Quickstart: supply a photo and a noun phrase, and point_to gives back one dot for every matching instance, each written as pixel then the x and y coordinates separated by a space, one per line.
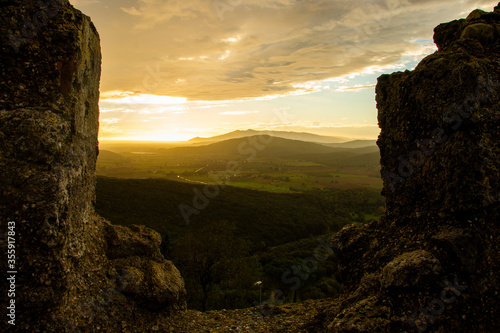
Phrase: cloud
pixel 260 48
pixel 82 3
pixel 115 94
pixel 355 88
pixel 150 13
pixel 110 120
pixel 128 98
pixel 237 113
pixel 104 110
pixel 349 131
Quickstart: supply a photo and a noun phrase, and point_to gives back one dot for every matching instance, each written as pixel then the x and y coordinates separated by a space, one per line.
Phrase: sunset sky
pixel 177 69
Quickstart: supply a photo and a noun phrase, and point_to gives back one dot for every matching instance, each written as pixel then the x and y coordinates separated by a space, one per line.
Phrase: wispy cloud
pixel 104 110
pixel 129 98
pixel 262 48
pixel 110 120
pixel 356 88
pixel 237 113
pixel 82 3
pixel 182 59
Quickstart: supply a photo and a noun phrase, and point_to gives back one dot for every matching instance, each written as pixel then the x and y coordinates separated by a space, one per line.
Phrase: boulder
pixel 75 271
pixel 432 261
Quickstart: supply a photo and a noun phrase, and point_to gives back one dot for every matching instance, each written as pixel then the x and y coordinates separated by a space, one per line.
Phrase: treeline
pixel 272 218
pixel 242 237
pixel 220 271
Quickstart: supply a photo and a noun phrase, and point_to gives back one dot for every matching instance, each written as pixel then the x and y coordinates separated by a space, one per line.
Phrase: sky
pixel 177 69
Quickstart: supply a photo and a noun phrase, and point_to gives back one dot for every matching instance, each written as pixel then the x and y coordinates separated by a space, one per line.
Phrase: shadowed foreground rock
pixel 432 262
pixel 76 272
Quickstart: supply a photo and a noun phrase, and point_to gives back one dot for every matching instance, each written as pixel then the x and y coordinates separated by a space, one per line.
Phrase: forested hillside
pixel 242 236
pixel 273 218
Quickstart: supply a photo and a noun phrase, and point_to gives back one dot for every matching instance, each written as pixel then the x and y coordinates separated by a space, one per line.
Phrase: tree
pixel 210 256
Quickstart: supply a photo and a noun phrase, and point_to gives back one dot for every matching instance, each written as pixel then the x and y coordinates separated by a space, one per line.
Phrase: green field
pixel 349 168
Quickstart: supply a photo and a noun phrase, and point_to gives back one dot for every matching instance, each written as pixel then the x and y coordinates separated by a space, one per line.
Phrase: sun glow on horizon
pixel 167 137
pixel 170 73
pixel 125 97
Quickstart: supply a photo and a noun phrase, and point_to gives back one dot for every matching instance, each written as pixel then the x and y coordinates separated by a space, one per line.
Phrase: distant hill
pixel 345 157
pixel 277 147
pixel 353 144
pixel 301 136
pixel 107 156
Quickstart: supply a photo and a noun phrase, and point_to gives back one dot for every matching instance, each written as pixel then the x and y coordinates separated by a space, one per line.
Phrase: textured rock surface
pixel 76 271
pixel 432 262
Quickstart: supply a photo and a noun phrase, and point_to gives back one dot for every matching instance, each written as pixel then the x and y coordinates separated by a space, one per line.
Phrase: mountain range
pixel 301 136
pixel 270 147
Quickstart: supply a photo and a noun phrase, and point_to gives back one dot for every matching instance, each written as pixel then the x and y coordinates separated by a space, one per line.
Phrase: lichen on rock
pixel 73 265
pixel 440 158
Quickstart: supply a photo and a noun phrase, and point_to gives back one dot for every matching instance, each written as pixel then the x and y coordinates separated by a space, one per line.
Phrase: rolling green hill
pixel 106 156
pixel 353 144
pixel 359 157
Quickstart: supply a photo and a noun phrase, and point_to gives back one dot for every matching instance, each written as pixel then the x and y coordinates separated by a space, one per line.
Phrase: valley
pixel 256 207
pixel 267 164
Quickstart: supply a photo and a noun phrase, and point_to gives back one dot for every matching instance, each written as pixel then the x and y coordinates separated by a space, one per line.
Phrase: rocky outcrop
pixel 432 262
pixel 75 271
